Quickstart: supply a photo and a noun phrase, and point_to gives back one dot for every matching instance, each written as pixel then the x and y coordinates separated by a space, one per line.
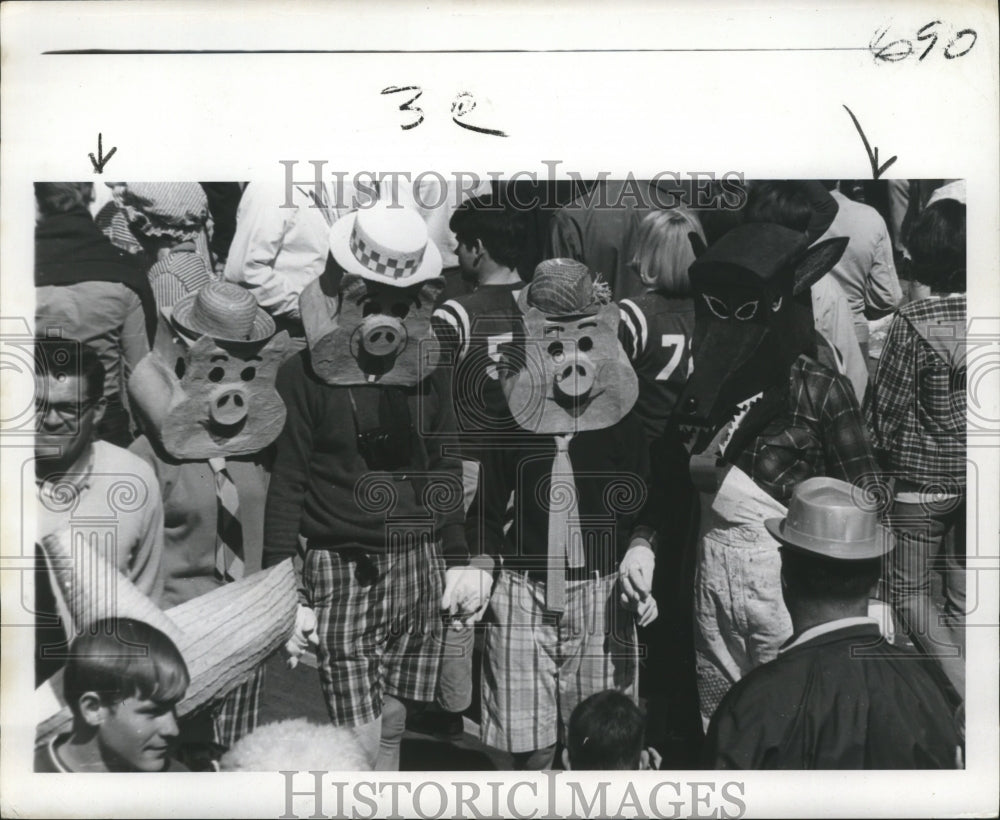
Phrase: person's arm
pixel 882 291
pixel 833 318
pixel 892 389
pixel 847 448
pixel 290 473
pixel 484 521
pixel 147 557
pixel 630 328
pixel 260 233
pixel 134 343
pixel 443 460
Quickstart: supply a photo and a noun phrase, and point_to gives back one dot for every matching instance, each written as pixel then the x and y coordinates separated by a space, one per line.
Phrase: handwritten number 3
pixel 408 105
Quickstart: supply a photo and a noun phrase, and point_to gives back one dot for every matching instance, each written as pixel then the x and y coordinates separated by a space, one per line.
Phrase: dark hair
pixel 782 202
pixel 829 184
pixel 121 657
pixel 605 732
pixel 937 246
pixel 813 577
pixel 61 358
pixel 62 197
pixel 500 228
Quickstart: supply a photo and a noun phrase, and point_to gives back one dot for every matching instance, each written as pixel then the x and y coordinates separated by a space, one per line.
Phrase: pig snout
pixel 382 336
pixel 228 405
pixel 574 377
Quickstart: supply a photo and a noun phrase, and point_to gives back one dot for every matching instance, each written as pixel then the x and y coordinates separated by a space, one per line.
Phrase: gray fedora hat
pixel 827 517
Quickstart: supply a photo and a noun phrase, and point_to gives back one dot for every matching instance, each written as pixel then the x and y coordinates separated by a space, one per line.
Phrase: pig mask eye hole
pixel 248 373
pixel 371 308
pixel 746 311
pixel 717 306
pixel 216 374
pixel 556 351
pixel 179 368
pixel 585 344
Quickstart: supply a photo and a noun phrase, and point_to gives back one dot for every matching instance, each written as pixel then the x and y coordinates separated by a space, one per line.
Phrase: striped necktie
pixel 565 538
pixel 228 530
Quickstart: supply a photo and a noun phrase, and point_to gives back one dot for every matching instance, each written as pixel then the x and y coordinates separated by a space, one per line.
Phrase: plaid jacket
pixel 916 407
pixel 822 433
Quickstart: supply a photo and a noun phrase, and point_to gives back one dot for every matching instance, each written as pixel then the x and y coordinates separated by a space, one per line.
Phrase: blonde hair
pixel 662 250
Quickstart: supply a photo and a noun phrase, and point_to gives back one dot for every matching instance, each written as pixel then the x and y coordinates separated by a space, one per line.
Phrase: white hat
pixel 385 244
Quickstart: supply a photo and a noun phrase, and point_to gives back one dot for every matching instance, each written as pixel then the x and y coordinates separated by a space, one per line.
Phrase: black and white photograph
pixel 474 480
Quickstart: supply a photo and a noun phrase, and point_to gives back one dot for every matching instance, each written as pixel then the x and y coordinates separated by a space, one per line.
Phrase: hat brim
pixel 340 249
pixel 179 316
pixel 835 550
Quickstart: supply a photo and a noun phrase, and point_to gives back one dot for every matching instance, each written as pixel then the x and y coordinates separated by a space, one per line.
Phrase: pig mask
pixel 569 373
pixel 368 317
pixel 211 398
pixel 366 332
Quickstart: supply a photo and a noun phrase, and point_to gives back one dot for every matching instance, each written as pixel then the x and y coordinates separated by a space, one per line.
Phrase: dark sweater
pixel 322 488
pixel 610 471
pixel 70 248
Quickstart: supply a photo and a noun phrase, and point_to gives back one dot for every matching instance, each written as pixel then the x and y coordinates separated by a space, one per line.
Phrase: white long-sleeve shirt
pixel 277 251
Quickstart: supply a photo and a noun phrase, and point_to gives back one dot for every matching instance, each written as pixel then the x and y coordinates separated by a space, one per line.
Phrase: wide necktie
pixel 565 538
pixel 228 530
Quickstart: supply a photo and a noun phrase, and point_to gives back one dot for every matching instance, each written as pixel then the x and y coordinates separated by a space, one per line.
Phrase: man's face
pixel 466 259
pixel 137 735
pixel 65 420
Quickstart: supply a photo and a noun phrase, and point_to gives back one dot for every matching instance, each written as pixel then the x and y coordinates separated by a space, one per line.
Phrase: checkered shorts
pixel 536 670
pixel 379 625
pixel 236 715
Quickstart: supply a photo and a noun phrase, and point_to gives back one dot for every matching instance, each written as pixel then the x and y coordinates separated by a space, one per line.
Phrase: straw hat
pixel 222 311
pixel 826 518
pixel 564 287
pixel 385 244
pixel 223 635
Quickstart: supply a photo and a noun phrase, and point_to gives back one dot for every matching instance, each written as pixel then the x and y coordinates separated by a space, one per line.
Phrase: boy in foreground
pixel 122 682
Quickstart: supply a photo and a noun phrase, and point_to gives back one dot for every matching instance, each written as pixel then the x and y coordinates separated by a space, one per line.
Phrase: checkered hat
pixel 564 287
pixel 177 209
pixel 385 244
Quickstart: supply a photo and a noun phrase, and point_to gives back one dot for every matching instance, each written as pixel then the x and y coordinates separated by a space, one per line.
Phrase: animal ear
pixel 816 261
pixel 697 244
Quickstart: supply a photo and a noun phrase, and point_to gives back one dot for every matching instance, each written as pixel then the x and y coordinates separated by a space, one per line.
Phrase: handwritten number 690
pixel 899 50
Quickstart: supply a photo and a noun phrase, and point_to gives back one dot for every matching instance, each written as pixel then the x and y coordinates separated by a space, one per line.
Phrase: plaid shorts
pixel 236 714
pixel 379 625
pixel 537 669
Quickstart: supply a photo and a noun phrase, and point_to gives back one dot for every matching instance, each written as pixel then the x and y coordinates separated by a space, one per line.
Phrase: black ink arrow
pixel 101 159
pixel 872 153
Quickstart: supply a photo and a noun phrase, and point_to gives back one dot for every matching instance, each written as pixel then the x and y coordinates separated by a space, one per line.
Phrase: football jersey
pixel 656 331
pixel 472 329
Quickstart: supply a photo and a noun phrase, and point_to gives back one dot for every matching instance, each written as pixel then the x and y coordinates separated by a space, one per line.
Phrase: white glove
pixel 303 635
pixel 636 577
pixel 466 594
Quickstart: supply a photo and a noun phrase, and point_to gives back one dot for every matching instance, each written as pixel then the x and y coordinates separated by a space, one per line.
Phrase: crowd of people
pixel 675 481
